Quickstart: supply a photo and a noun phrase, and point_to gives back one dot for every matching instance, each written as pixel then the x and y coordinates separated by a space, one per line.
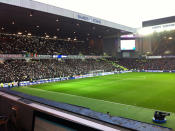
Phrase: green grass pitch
pixel 130 95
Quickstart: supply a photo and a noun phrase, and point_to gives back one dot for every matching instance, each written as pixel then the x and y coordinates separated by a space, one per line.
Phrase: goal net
pixel 96 72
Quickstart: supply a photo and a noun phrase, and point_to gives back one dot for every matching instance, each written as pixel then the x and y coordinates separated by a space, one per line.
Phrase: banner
pixel 26 83
pixel 153 57
pixel 88 18
pixel 5 56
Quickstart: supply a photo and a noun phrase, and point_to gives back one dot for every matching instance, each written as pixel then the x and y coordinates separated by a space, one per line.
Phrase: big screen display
pixel 128 45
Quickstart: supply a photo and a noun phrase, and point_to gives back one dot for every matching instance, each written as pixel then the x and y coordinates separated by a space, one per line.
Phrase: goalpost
pixel 96 72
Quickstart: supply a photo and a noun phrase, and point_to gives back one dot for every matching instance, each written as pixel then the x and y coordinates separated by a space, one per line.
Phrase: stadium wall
pixel 24 113
pixel 146 45
pixel 111 45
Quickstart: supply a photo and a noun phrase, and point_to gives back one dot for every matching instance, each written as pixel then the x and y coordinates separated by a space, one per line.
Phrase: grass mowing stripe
pixel 132 112
pixel 147 90
pixel 91 98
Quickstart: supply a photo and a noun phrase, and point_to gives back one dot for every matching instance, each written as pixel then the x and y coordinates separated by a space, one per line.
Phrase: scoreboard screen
pixel 128 45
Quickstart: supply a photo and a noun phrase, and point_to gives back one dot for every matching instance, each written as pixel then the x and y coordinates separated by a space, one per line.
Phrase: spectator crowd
pixel 22 70
pixel 18 44
pixel 34 69
pixel 148 64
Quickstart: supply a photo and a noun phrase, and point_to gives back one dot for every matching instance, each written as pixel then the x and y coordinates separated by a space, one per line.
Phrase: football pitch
pixel 130 95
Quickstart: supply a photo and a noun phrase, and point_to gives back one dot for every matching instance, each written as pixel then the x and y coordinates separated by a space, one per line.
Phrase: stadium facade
pixel 33 19
pixel 44 26
pixel 156 37
pixel 62 23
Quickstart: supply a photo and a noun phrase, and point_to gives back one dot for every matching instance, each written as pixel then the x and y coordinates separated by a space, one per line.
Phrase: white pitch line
pixel 94 99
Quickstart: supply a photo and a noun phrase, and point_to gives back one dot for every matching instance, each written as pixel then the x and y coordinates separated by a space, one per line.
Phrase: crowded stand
pixel 148 64
pixel 27 69
pixel 22 70
pixel 19 44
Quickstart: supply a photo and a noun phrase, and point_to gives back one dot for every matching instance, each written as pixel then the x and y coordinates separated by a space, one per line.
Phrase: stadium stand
pixel 148 64
pixel 22 70
pixel 162 43
pixel 15 70
pixel 19 44
pixel 79 37
pixel 25 70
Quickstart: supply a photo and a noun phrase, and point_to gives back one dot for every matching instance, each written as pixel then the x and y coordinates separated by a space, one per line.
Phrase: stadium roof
pixel 158 21
pixel 41 19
